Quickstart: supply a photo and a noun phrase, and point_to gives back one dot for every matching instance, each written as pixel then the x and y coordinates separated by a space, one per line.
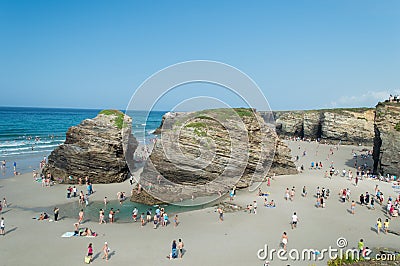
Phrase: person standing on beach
pixel 56 211
pixel 180 248
pixel 4 202
pixel 386 226
pixel 80 219
pixel 284 240
pixel 353 206
pixel 106 250
pixel 378 225
pixel 101 217
pixel 295 219
pixel 68 192
pixel 176 222
pixel 304 194
pixel 90 252
pixel 221 214
pixel 2 227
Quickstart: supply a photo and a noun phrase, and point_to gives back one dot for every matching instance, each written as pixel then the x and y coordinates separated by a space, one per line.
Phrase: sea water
pixel 27 135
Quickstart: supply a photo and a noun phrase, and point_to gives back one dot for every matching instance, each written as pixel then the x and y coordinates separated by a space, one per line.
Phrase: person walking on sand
pixel 56 211
pixel 295 219
pixel 101 217
pixel 4 202
pixel 90 252
pixel 386 226
pixel 353 206
pixel 180 248
pixel 221 214
pixel 2 226
pixel 378 225
pixel 287 194
pixel 284 240
pixel 304 194
pixel 106 250
pixel 176 221
pixel 80 220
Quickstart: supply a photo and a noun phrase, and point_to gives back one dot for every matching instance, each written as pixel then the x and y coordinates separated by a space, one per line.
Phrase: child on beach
pixel 378 225
pixel 176 222
pixel 353 206
pixel 142 221
pixel 386 226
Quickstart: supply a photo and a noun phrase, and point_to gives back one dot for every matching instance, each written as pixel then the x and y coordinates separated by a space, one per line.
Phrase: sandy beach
pixel 235 241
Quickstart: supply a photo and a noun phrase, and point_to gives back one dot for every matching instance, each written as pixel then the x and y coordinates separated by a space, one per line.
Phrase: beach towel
pixel 68 234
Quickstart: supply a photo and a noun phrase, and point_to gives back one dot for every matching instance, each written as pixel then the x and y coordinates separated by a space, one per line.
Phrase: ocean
pixel 27 135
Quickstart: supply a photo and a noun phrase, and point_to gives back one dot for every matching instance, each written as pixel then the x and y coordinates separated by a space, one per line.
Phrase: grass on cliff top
pixel 224 113
pixel 119 117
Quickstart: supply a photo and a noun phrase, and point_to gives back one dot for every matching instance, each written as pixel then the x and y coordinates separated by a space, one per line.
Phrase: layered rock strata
pixel 387 139
pixel 94 149
pixel 348 126
pixel 207 152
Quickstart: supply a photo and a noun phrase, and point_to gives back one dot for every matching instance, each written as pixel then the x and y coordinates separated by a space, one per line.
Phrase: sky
pixel 301 54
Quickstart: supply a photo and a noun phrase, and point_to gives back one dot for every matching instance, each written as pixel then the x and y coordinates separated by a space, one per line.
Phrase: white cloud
pixel 370 98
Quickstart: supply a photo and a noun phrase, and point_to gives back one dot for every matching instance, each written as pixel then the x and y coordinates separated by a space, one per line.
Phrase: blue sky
pixel 302 54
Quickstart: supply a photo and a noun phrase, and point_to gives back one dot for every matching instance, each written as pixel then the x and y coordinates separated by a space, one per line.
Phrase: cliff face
pixel 207 152
pixel 351 126
pixel 94 148
pixel 387 139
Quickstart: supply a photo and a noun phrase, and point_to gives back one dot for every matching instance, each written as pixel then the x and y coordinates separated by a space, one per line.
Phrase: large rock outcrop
pixel 350 126
pixel 213 150
pixel 94 148
pixel 387 139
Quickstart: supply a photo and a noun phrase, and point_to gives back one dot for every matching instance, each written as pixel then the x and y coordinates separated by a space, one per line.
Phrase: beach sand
pixel 207 241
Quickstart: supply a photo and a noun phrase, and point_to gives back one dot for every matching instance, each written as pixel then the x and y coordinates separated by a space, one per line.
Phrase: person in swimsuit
pixel 284 240
pixel 180 248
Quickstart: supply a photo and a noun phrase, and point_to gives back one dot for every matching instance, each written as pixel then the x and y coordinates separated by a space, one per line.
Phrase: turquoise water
pixel 29 134
pixel 124 214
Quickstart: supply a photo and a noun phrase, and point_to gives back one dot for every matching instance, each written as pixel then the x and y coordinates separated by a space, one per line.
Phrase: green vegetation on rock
pixel 199 128
pixel 119 117
pixel 397 127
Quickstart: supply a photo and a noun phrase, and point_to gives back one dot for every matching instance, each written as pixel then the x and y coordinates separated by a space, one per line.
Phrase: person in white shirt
pixel 295 219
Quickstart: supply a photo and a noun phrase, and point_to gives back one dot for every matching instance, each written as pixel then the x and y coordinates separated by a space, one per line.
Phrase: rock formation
pixel 350 126
pixel 94 148
pixel 207 152
pixel 387 139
